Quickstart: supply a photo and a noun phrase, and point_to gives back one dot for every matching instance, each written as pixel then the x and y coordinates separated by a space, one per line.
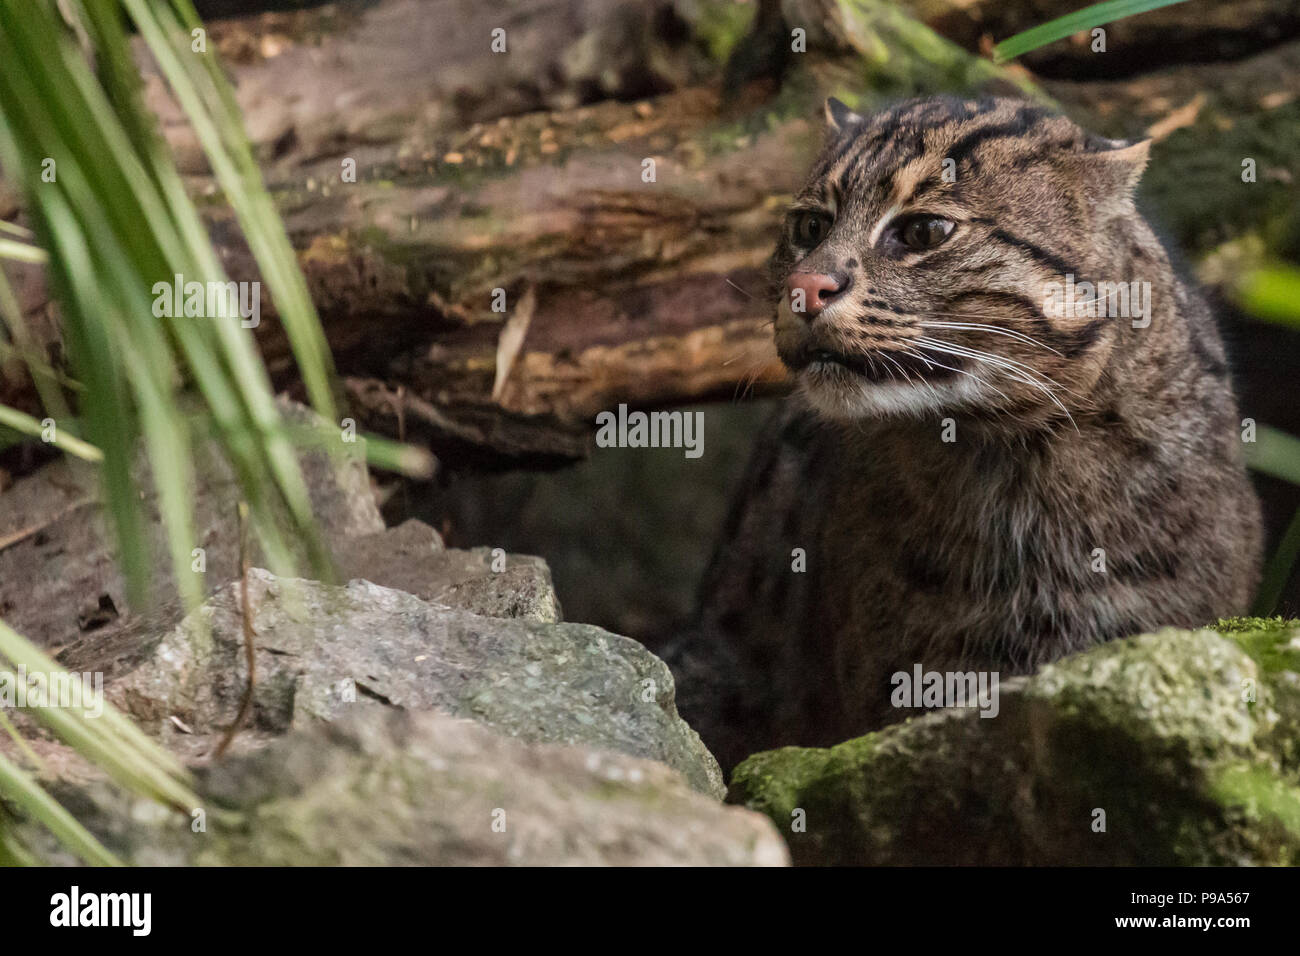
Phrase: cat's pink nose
pixel 810 292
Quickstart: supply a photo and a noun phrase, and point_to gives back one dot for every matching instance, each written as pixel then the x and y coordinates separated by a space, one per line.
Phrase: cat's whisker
pixel 1001 360
pixel 1022 374
pixel 964 350
pixel 928 360
pixel 1015 372
pixel 932 389
pixel 727 279
pixel 907 378
pixel 982 327
pixel 755 364
pixel 747 382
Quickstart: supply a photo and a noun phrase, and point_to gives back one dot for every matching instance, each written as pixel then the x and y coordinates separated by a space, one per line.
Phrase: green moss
pixel 774 781
pixel 1150 729
pixel 1270 641
pixel 380 243
pixel 1274 645
pixel 1244 625
pixel 1269 806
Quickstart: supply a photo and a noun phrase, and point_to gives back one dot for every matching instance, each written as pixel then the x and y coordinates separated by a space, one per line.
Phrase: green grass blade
pixel 39 805
pixel 216 122
pixel 22 422
pixel 1072 23
pixel 1277 454
pixel 21 252
pixel 48 382
pixel 1272 293
pixel 24 747
pixel 1277 571
pixel 1274 453
pixel 126 754
pixel 115 221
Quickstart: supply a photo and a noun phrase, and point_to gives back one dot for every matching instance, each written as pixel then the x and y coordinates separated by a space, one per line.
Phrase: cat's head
pixel 944 255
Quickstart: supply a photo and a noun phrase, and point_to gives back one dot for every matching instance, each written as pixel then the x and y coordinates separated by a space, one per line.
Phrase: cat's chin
pixel 840 395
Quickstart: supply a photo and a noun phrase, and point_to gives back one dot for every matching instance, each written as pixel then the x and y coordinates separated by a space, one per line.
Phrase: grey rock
pixel 412 558
pixel 390 787
pixel 325 651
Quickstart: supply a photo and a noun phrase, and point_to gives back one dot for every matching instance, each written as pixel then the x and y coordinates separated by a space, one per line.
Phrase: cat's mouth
pixel 879 366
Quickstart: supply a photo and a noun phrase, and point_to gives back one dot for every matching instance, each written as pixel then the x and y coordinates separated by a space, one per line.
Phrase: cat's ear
pixel 1108 171
pixel 1119 163
pixel 839 117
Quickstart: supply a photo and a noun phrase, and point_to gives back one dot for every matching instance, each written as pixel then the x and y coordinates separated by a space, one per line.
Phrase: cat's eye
pixel 811 227
pixel 924 232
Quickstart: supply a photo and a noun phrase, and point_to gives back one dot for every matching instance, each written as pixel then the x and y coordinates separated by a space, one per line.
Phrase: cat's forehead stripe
pixel 897 139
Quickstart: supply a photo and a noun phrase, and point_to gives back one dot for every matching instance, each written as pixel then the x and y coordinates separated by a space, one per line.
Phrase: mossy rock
pixel 1171 748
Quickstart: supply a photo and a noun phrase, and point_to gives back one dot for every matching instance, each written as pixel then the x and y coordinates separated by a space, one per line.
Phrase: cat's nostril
pixel 810 292
pixel 842 282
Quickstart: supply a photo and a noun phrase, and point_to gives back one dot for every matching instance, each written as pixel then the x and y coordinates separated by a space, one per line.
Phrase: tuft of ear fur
pixel 840 117
pixel 1109 171
pixel 1122 164
pixel 1118 164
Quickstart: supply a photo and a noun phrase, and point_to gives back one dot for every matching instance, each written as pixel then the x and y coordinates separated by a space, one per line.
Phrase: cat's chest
pixel 927 518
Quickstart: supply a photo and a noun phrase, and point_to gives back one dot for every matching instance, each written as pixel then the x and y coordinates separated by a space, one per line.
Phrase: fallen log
pixel 607 161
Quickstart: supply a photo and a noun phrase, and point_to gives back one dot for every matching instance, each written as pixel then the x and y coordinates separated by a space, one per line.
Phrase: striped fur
pixel 1072 433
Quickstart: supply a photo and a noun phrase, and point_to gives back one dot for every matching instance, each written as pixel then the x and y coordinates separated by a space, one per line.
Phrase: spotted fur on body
pixel 1072 432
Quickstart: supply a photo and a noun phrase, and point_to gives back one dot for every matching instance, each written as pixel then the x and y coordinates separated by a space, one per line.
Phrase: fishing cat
pixel 1013 435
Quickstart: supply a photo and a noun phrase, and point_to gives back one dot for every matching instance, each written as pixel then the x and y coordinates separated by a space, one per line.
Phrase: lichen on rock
pixel 1169 748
